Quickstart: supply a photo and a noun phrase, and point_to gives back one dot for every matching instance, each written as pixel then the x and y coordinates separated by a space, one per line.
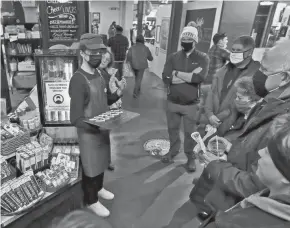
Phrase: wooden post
pixel 140 9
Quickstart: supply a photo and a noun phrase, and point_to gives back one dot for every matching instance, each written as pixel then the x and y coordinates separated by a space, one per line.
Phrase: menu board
pixel 62 20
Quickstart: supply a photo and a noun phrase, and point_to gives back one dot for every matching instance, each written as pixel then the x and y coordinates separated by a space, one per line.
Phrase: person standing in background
pixel 113 84
pixel 119 45
pixel 183 72
pixel 88 93
pixel 112 30
pixel 133 34
pixel 138 56
pixel 218 55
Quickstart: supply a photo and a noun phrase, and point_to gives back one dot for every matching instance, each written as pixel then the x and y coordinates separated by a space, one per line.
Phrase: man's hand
pixel 197 70
pixel 214 121
pixel 121 84
pixel 227 143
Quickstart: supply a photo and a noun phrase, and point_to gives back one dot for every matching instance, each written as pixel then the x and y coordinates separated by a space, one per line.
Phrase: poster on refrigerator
pixel 164 33
pixel 57 96
pixel 204 20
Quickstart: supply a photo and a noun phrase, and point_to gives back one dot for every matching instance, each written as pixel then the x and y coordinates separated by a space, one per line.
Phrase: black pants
pixel 138 81
pixel 91 187
pixel 119 66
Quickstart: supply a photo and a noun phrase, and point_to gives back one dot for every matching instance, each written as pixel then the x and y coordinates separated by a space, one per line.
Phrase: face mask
pixel 187 47
pixel 243 106
pixel 259 81
pixel 237 57
pixel 94 60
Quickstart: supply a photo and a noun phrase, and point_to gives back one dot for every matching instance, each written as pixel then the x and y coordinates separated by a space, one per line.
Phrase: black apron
pixel 95 148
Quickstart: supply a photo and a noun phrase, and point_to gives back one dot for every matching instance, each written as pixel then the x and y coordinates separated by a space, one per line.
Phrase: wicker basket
pixel 26 208
pixel 10 145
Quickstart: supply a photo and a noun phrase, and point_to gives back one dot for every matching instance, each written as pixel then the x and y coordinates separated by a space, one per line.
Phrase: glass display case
pixel 54 69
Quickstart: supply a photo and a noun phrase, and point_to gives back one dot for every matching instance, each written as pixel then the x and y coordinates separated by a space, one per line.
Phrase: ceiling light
pixel 266 3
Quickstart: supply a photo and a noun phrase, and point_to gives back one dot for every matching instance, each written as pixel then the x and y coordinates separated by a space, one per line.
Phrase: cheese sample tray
pixel 112 119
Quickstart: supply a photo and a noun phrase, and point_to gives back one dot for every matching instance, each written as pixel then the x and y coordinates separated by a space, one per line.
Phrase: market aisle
pixel 148 193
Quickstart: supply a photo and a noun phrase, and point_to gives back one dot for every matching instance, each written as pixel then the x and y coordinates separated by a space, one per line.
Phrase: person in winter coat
pixel 222 92
pixel 270 207
pixel 272 82
pixel 138 56
pixel 88 93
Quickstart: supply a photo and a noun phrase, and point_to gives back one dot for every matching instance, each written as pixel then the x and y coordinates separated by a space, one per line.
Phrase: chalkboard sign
pixel 62 20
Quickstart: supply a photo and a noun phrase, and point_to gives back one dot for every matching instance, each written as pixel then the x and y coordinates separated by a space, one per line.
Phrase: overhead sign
pixel 57 96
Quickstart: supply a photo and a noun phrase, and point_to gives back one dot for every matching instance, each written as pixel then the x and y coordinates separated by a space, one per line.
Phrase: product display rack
pixel 21 78
pixel 54 69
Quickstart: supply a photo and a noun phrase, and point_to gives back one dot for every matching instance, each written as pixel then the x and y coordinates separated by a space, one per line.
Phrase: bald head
pixel 277 58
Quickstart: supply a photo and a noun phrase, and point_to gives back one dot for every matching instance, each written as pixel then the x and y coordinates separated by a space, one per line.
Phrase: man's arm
pixel 196 76
pixel 238 182
pixel 126 44
pixel 167 71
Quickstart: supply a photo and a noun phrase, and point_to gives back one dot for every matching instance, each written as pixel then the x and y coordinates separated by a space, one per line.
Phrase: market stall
pixel 41 168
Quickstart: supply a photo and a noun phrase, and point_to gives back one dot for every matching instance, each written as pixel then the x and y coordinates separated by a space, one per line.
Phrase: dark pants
pixel 119 65
pixel 175 113
pixel 91 187
pixel 138 81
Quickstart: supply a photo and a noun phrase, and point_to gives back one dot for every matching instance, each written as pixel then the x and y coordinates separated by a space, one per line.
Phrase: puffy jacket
pixel 256 211
pixel 138 56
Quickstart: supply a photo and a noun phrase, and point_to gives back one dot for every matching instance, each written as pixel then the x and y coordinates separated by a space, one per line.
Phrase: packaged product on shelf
pixel 44 140
pixel 13 129
pixel 67 150
pixel 5 170
pixel 30 146
pixel 35 144
pixel 5 134
pixel 16 186
pixel 7 198
pixel 13 196
pixel 5 207
pixel 45 154
pixel 34 183
pixel 38 157
pixel 27 182
pixel 75 150
pixel 26 191
pixel 32 160
pixel 25 162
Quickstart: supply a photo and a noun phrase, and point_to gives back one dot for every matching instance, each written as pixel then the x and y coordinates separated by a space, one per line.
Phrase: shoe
pixel 190 165
pixel 111 167
pixel 168 158
pixel 202 216
pixel 105 194
pixel 100 209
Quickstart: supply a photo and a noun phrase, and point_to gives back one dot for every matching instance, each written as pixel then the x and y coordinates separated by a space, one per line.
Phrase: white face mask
pixel 237 57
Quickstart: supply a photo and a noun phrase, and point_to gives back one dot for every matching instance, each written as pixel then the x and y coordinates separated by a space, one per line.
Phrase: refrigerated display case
pixel 54 69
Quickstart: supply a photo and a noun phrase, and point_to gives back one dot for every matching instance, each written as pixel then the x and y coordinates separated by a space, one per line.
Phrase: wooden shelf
pixel 20 55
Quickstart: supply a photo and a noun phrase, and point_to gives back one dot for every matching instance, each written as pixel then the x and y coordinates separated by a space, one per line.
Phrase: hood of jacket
pixel 278 206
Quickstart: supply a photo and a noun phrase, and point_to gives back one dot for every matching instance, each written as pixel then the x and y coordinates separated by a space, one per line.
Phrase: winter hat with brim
pixel 280 159
pixel 92 41
pixel 189 34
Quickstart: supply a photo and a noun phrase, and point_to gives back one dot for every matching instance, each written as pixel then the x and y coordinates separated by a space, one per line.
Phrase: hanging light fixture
pixel 185 1
pixel 266 3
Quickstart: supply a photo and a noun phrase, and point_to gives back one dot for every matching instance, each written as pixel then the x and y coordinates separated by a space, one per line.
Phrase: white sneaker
pixel 100 209
pixel 105 194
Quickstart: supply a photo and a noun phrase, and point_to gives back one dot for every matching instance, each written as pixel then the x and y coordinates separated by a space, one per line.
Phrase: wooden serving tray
pixel 116 122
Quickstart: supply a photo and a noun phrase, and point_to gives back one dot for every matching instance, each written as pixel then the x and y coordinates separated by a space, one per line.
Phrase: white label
pixel 57 97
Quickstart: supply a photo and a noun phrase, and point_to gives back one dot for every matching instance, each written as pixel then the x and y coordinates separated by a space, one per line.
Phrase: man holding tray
pixel 88 92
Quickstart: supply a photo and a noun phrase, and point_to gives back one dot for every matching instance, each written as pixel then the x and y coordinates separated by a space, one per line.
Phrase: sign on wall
pixel 62 20
pixel 204 20
pixel 57 96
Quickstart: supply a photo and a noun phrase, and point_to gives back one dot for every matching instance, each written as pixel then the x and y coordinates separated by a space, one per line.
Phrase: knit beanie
pixel 189 34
